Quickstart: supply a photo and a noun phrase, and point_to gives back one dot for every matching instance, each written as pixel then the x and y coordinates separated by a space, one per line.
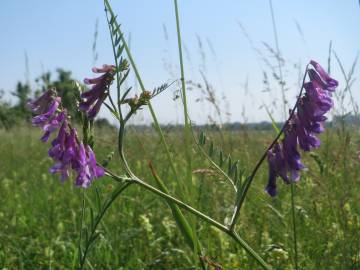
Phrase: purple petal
pixel 104 69
pixel 43 118
pixel 271 186
pixel 45 137
pixel 332 84
pixel 39 105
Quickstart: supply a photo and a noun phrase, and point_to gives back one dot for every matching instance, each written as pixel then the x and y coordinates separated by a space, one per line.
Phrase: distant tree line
pixel 15 113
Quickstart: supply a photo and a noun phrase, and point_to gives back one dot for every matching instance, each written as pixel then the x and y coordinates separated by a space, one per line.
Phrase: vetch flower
pixel 64 152
pixel 290 152
pixel 58 144
pixel 53 125
pixel 86 167
pixel 66 149
pixel 277 167
pixel 40 105
pixel 69 154
pixel 301 129
pixel 271 186
pixel 93 99
pixel 330 84
pixel 47 112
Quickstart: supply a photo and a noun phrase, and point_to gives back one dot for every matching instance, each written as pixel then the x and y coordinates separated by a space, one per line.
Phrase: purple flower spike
pixel 306 122
pixel 93 99
pixel 66 150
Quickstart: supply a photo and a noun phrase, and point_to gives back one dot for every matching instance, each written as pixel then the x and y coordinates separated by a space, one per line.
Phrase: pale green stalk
pixel 117 75
pixel 184 98
pixel 200 215
pixel 91 238
pixel 138 77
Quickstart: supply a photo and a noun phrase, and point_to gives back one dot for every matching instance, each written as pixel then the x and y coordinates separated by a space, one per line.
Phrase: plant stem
pixel 184 98
pixel 97 221
pixel 138 77
pixel 246 246
pixel 81 224
pixel 294 223
pixel 200 215
pixel 117 72
pixel 121 148
pixel 181 204
pixel 257 166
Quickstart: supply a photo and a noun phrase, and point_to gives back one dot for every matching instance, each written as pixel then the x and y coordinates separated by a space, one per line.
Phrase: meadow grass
pixel 40 217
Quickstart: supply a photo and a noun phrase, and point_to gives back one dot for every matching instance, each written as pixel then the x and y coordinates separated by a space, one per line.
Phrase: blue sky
pixel 60 34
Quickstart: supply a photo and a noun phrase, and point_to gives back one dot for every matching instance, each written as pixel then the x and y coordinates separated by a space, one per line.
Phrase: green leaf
pixel 91 218
pixel 202 138
pixel 112 20
pixel 98 198
pixel 125 94
pixel 120 50
pixel 221 158
pixel 229 165
pixel 319 162
pixel 236 175
pixel 113 112
pixel 117 39
pixel 211 149
pixel 180 219
pixel 233 169
pixel 124 76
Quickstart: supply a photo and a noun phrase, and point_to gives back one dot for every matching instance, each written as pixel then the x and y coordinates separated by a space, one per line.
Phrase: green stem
pixel 294 224
pixel 97 221
pixel 81 224
pixel 246 246
pixel 117 72
pixel 200 215
pixel 121 148
pixel 138 77
pixel 184 99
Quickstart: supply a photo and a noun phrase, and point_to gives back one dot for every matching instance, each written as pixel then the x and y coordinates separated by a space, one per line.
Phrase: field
pixel 40 217
pixel 143 194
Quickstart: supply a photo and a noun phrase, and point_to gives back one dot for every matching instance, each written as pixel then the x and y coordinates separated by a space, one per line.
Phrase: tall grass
pixel 40 217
